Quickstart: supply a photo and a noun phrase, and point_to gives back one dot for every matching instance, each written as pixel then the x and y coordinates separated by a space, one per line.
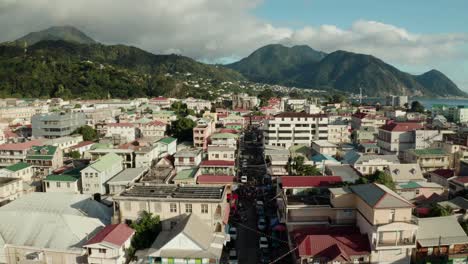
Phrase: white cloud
pixel 211 30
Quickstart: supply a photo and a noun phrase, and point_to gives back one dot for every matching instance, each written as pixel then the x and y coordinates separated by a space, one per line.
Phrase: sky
pixel 415 35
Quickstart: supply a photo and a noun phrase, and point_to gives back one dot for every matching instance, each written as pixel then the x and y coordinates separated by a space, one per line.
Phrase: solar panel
pixel 174 191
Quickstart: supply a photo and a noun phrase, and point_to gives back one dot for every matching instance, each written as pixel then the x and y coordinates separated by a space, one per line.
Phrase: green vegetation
pixel 416 106
pixel 66 33
pixel 181 109
pixel 296 166
pixel 438 210
pixel 378 177
pixel 335 98
pixel 146 229
pixel 88 133
pixel 182 129
pixel 74 154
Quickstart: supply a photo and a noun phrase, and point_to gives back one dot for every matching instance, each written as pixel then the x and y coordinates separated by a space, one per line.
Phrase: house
pixel 459 206
pixel 369 148
pixel 12 153
pixel 441 240
pixel 54 125
pixel 360 119
pixel 345 171
pixel 10 189
pixel 82 147
pixel 19 170
pixel 396 137
pixel 221 153
pixel 160 101
pixel 64 143
pixel 442 176
pixel 192 240
pixel 186 176
pixel 368 164
pixel 224 139
pixel 121 132
pixel 172 202
pixel 339 132
pixel 125 179
pixel 154 129
pixel 201 133
pixel 167 145
pixel 429 159
pixel 187 159
pixel 68 181
pixel 458 185
pixel 321 160
pixel 331 245
pixel 324 147
pixel 405 172
pixel 364 134
pixel 295 128
pixel 197 105
pixel 278 158
pixel 385 217
pixel 413 190
pixel 126 152
pixel 57 226
pixel 99 172
pixel 164 116
pixel 224 167
pixel 44 159
pixel 109 245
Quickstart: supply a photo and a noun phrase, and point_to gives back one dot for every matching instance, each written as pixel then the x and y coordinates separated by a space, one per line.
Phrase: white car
pixel 263 242
pixel 233 233
pixel 261 224
pixel 244 179
pixel 259 203
pixel 233 256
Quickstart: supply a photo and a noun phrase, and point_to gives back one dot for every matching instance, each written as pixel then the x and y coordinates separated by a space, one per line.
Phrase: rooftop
pixel 18 166
pixel 402 126
pixel 128 175
pixel 215 179
pixel 106 161
pixel 217 163
pixel 309 181
pixel 298 114
pixel 115 234
pixel 324 143
pixel 186 174
pixel 445 173
pixel 428 152
pixel 379 196
pixel 442 230
pixel 21 146
pixel 167 140
pixel 172 191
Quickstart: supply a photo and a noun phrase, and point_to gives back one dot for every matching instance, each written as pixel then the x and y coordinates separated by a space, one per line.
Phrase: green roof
pixel 164 112
pixel 18 166
pixel 167 140
pixel 38 153
pixel 435 151
pixel 225 135
pixel 62 177
pixel 410 185
pixel 106 161
pixel 101 146
pixel 185 174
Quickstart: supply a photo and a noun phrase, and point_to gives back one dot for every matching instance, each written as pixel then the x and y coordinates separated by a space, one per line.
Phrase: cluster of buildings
pixel 79 208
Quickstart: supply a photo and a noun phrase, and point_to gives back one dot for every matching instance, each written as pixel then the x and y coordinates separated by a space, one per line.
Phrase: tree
pixel 438 210
pixel 310 170
pixel 88 133
pixel 298 164
pixel 180 109
pixel 77 106
pixel 146 229
pixel 416 106
pixel 265 95
pixel 182 129
pixel 74 154
pixel 383 178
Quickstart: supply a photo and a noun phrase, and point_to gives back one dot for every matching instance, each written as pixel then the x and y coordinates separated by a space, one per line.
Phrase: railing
pixel 401 242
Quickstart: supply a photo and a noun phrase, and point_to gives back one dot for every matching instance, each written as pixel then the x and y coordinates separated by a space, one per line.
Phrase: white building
pixel 124 132
pixel 96 174
pixel 109 245
pixel 221 153
pixel 291 128
pixel 324 147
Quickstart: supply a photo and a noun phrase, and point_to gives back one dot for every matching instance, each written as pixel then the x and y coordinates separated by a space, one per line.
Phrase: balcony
pixel 397 243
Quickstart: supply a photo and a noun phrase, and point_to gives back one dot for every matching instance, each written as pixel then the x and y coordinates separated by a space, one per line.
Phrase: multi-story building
pixel 384 216
pixel 221 153
pixel 324 147
pixel 19 170
pixel 98 173
pixel 359 120
pixel 10 189
pixel 64 143
pixel 155 129
pixel 291 128
pixel 187 159
pixel 429 159
pixel 367 164
pixel 339 132
pixel 197 105
pixel 44 159
pixel 218 167
pixel 121 132
pixel 12 153
pixel 244 101
pixel 160 101
pixel 364 134
pixel 165 116
pixel 397 101
pixel 53 125
pixel 202 132
pixel 224 139
pixel 396 137
pixel 172 202
pixel 21 112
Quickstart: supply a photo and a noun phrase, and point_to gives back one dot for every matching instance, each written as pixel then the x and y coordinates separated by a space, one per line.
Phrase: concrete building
pixel 125 179
pixel 44 159
pixel 121 133
pixel 224 140
pixel 396 137
pixel 244 101
pixel 64 143
pixel 397 101
pixel 364 134
pixel 187 159
pixel 197 105
pixel 54 125
pixel 339 132
pixel 10 189
pixel 98 173
pixel 202 132
pixel 324 147
pixel 291 128
pixel 12 153
pixel 154 130
pixel 19 170
pixel 367 164
pixel 57 226
pixel 221 153
pixel 359 120
pixel 172 202
pixel 428 159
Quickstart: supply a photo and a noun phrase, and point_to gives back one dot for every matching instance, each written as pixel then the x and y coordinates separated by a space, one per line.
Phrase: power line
pixel 284 255
pixel 261 233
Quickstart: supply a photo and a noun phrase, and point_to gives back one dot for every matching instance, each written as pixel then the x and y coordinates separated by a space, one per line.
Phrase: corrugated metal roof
pixel 442 230
pixel 379 196
pixel 106 161
pixel 18 166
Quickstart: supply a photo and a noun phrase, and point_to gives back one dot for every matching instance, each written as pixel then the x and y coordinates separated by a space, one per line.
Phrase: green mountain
pixel 66 33
pixel 340 71
pixel 68 69
pixel 271 63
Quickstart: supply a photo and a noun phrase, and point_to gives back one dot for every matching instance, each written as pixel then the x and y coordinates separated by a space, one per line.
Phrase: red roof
pixel 155 123
pixel 21 146
pixel 402 126
pixel 115 234
pixel 461 179
pixel 445 173
pixel 160 98
pixel 215 163
pixel 82 144
pixel 215 179
pixel 309 181
pixel 359 115
pixel 226 130
pixel 331 243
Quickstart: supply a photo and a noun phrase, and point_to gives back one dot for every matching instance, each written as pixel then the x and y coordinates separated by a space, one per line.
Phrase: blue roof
pixel 322 157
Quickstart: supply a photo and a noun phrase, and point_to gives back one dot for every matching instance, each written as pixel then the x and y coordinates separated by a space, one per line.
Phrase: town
pixel 239 179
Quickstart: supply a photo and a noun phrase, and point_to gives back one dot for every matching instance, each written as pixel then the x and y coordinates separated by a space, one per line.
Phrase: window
pixel 48 185
pixel 188 208
pixel 102 250
pixel 173 208
pixel 192 159
pixel 204 208
pixel 58 184
pixel 68 185
pixel 181 159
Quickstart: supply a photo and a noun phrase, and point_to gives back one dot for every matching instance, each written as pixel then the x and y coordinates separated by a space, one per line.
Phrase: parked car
pixel 264 256
pixel 233 233
pixel 261 224
pixel 259 203
pixel 263 242
pixel 244 179
pixel 233 256
pixel 260 212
